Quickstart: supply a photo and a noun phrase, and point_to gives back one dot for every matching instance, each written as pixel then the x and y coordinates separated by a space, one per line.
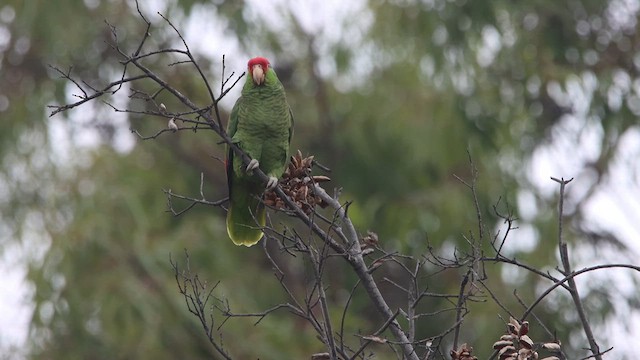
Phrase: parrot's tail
pixel 245 218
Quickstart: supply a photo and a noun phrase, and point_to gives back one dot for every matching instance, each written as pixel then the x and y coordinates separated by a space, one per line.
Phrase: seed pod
pixel 320 178
pixel 525 353
pixel 502 343
pixel 507 351
pixel 307 161
pixel 551 346
pixel 526 342
pixel 172 125
pixel 367 251
pixel 376 339
pixel 514 326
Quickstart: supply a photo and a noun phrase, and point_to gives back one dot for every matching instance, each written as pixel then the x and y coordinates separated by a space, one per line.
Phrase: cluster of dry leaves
pixel 514 345
pixel 297 182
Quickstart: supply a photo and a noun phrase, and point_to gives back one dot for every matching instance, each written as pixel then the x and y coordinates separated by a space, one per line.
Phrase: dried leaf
pixel 507 351
pixel 502 343
pixel 376 264
pixel 526 342
pixel 463 354
pixel 514 326
pixel 306 162
pixel 367 251
pixel 525 354
pixel 172 124
pixel 371 238
pixel 321 178
pixel 551 346
pixel 376 339
pixel 320 356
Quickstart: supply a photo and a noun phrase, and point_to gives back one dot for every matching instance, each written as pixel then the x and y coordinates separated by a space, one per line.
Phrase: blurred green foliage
pixel 420 87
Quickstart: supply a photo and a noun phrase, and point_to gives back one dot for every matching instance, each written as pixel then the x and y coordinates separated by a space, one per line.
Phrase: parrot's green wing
pixel 246 214
pixel 231 130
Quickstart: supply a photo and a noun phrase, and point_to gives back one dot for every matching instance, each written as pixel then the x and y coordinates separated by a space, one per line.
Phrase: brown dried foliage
pixel 464 353
pixel 297 182
pixel 517 345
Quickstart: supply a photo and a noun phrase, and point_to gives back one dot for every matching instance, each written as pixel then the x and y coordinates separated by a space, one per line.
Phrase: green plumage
pixel 261 124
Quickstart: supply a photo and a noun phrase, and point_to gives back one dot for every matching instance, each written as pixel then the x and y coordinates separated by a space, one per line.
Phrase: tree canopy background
pixel 391 95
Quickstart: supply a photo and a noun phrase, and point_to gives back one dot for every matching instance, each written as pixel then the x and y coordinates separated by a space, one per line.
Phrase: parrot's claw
pixel 253 164
pixel 273 181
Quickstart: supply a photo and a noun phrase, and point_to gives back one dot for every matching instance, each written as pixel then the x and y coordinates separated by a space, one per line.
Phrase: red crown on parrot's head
pixel 257 69
pixel 258 61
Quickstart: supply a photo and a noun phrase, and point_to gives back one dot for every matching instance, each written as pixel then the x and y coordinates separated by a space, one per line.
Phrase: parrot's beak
pixel 257 73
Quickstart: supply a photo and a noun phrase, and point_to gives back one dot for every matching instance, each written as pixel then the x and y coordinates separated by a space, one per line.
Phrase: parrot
pixel 261 124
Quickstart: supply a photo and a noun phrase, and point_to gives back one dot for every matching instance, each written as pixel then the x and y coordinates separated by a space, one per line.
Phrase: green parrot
pixel 261 124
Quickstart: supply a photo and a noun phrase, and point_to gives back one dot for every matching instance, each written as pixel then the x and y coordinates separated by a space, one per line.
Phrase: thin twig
pixel 571 276
pixel 196 295
pixel 459 307
pixel 564 257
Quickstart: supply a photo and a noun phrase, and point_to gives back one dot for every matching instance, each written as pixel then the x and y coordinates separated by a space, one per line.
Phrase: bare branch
pixel 197 295
pixel 459 307
pixel 564 257
pixel 85 97
pixel 170 195
pixel 571 276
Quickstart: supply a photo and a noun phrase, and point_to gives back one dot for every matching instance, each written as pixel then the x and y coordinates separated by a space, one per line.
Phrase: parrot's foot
pixel 253 164
pixel 273 181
